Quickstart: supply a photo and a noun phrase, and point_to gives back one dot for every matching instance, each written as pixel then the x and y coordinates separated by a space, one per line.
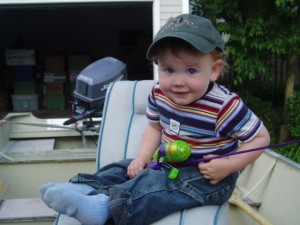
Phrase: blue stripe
pixel 107 98
pixel 217 216
pixel 130 120
pixel 182 217
pixel 56 220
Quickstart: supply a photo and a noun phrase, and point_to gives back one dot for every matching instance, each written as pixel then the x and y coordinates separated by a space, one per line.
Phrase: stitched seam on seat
pixel 57 219
pixel 107 99
pixel 182 217
pixel 130 120
pixel 217 215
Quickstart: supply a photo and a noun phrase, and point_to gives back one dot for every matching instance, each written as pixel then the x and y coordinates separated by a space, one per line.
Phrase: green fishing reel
pixel 172 152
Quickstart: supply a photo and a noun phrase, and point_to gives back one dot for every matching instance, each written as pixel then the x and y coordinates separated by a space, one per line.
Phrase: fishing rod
pixel 177 153
pixel 78 128
pixel 43 125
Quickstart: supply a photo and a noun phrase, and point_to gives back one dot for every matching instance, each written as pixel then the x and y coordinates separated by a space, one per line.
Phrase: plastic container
pixel 25 102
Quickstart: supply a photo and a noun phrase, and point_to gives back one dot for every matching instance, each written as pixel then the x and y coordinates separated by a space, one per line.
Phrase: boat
pixel 267 191
pixel 36 149
pixel 31 147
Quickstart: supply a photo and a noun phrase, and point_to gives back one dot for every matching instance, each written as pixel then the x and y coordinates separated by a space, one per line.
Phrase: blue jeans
pixel 151 195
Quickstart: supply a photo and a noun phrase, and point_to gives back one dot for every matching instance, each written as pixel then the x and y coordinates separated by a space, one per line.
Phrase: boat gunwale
pixel 282 158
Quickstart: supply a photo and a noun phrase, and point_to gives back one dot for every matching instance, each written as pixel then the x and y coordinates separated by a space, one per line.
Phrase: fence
pixel 280 70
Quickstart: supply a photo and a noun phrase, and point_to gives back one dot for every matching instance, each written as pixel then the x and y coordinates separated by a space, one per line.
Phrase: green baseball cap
pixel 197 31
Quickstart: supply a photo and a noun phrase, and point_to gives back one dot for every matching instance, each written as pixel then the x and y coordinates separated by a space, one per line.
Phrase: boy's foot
pixel 87 209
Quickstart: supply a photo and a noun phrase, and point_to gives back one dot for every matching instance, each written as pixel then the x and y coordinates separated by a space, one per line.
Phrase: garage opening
pixel 59 40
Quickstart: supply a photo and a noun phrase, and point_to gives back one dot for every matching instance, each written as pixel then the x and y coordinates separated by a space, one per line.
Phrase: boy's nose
pixel 179 80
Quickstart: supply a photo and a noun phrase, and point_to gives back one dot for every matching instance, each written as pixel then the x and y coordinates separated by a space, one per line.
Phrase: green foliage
pixel 265 99
pixel 294 114
pixel 293 151
pixel 257 30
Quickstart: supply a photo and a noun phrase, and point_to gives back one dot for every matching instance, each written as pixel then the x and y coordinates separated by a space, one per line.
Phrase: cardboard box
pixel 20 57
pixel 55 64
pixel 25 102
pixel 55 77
pixel 73 75
pixel 55 88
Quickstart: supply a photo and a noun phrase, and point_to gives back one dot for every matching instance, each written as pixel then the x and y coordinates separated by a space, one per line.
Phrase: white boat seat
pixel 120 136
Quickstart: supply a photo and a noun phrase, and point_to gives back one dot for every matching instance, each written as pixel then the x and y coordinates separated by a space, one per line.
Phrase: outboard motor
pixel 91 86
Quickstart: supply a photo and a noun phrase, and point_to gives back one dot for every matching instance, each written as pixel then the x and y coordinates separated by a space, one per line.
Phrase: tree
pixel 258 30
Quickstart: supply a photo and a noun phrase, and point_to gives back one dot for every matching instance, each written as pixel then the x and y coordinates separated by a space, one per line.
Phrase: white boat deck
pixel 27 139
pixel 20 210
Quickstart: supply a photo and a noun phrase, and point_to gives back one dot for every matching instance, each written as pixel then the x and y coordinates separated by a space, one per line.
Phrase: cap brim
pixel 196 41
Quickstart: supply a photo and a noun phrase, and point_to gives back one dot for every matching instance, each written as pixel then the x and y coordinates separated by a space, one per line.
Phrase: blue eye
pixel 169 70
pixel 191 71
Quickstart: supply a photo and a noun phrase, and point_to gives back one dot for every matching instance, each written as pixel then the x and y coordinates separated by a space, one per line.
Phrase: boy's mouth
pixel 180 93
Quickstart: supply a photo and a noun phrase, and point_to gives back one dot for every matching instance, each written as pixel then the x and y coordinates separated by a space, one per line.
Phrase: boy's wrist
pixel 146 157
pixel 231 165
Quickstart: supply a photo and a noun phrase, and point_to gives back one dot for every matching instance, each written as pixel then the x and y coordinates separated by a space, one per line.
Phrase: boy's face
pixel 185 77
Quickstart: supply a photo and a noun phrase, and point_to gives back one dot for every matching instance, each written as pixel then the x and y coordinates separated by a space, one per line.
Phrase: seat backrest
pixel 122 128
pixel 123 121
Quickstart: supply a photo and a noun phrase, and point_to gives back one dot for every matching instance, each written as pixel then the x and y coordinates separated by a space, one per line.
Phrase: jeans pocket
pixel 218 197
pixel 206 193
pixel 222 191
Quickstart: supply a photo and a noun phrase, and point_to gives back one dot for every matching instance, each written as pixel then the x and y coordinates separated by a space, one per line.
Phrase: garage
pixel 44 46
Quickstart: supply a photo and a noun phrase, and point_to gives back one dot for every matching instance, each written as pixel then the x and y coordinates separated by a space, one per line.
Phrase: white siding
pixel 162 11
pixel 169 8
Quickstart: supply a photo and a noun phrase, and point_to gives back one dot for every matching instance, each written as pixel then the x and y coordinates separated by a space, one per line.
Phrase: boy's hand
pixel 137 166
pixel 216 169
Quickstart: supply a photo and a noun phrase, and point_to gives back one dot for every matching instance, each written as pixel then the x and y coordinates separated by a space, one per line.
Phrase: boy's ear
pixel 216 69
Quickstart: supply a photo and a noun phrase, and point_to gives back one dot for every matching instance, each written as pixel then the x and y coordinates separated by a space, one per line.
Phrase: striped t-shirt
pixel 213 124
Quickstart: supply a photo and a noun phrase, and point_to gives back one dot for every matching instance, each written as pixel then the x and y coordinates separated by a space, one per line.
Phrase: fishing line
pixel 196 161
